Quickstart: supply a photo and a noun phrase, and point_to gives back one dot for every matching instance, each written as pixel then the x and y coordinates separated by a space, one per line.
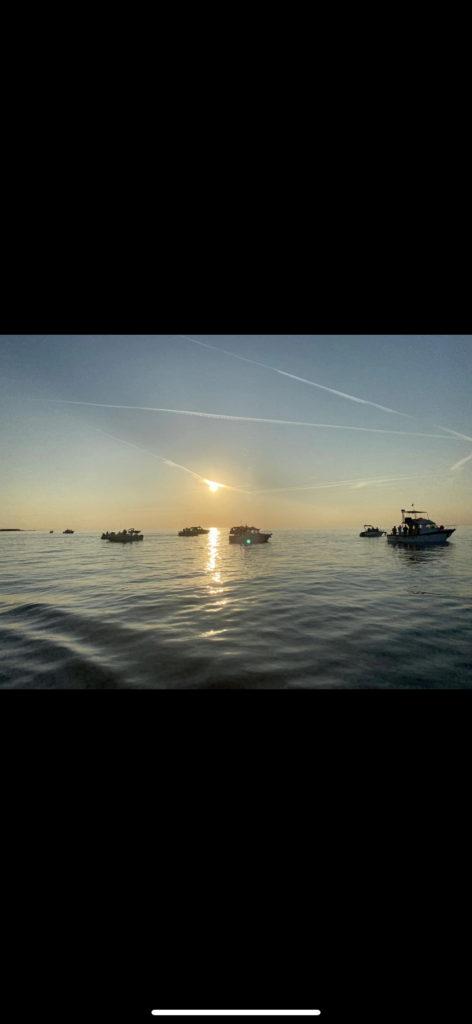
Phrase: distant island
pixel 10 529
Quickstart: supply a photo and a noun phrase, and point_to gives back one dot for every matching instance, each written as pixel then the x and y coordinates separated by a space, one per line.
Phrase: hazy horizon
pixel 106 432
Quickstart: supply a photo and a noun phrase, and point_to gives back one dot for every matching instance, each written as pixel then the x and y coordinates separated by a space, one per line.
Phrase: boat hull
pixel 122 540
pixel 433 538
pixel 198 533
pixel 379 534
pixel 244 538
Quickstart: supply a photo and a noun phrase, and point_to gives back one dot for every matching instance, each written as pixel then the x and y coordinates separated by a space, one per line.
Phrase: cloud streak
pixel 461 463
pixel 248 419
pixel 464 437
pixel 353 484
pixel 341 394
pixel 167 462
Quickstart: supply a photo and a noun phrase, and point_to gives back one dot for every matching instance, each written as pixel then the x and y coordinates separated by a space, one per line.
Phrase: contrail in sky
pixel 341 483
pixel 341 394
pixel 461 463
pixel 246 419
pixel 167 462
pixel 456 434
pixel 353 484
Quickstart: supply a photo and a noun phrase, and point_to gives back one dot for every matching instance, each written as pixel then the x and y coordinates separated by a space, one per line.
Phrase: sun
pixel 212 484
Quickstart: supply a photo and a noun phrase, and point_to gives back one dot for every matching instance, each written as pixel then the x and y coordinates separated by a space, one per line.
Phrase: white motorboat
pixel 416 529
pixel 371 531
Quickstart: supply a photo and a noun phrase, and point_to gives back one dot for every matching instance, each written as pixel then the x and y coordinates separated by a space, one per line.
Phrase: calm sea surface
pixel 312 608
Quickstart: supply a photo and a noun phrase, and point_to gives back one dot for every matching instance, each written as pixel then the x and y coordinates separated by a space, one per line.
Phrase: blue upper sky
pixel 58 462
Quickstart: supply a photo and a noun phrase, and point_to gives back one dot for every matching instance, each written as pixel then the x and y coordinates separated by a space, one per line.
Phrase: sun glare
pixel 213 486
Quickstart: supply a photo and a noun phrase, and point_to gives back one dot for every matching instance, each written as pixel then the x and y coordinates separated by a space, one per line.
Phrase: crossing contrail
pixel 313 384
pixel 249 419
pixel 341 394
pixel 464 437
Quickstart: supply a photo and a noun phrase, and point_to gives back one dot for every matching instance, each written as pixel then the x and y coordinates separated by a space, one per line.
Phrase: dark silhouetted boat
pixel 372 531
pixel 67 531
pixel 192 531
pixel 248 535
pixel 124 537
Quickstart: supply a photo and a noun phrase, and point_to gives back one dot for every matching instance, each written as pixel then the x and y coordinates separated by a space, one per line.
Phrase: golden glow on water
pixel 214 556
pixel 213 539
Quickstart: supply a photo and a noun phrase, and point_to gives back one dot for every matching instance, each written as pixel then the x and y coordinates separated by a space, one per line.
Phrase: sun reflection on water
pixel 214 556
pixel 213 540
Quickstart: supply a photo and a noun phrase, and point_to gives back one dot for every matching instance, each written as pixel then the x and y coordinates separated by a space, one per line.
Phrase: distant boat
pixel 51 531
pixel 372 531
pixel 124 537
pixel 67 531
pixel 192 531
pixel 415 529
pixel 248 535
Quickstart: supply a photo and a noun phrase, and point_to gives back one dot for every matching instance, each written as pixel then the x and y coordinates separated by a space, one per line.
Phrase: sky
pixel 105 432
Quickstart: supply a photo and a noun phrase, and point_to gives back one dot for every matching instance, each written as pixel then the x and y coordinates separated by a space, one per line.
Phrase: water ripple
pixel 312 609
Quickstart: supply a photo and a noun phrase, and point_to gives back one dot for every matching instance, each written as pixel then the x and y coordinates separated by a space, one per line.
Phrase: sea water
pixel 311 609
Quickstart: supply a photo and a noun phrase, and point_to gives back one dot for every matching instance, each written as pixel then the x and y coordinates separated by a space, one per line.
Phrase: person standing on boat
pixel 394 531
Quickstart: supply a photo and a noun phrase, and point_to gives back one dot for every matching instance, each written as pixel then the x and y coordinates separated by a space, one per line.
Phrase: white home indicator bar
pixel 236 1013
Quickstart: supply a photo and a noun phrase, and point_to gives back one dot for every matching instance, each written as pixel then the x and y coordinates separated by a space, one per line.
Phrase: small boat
pixel 416 529
pixel 372 531
pixel 247 535
pixel 192 531
pixel 123 537
pixel 67 531
pixel 51 531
